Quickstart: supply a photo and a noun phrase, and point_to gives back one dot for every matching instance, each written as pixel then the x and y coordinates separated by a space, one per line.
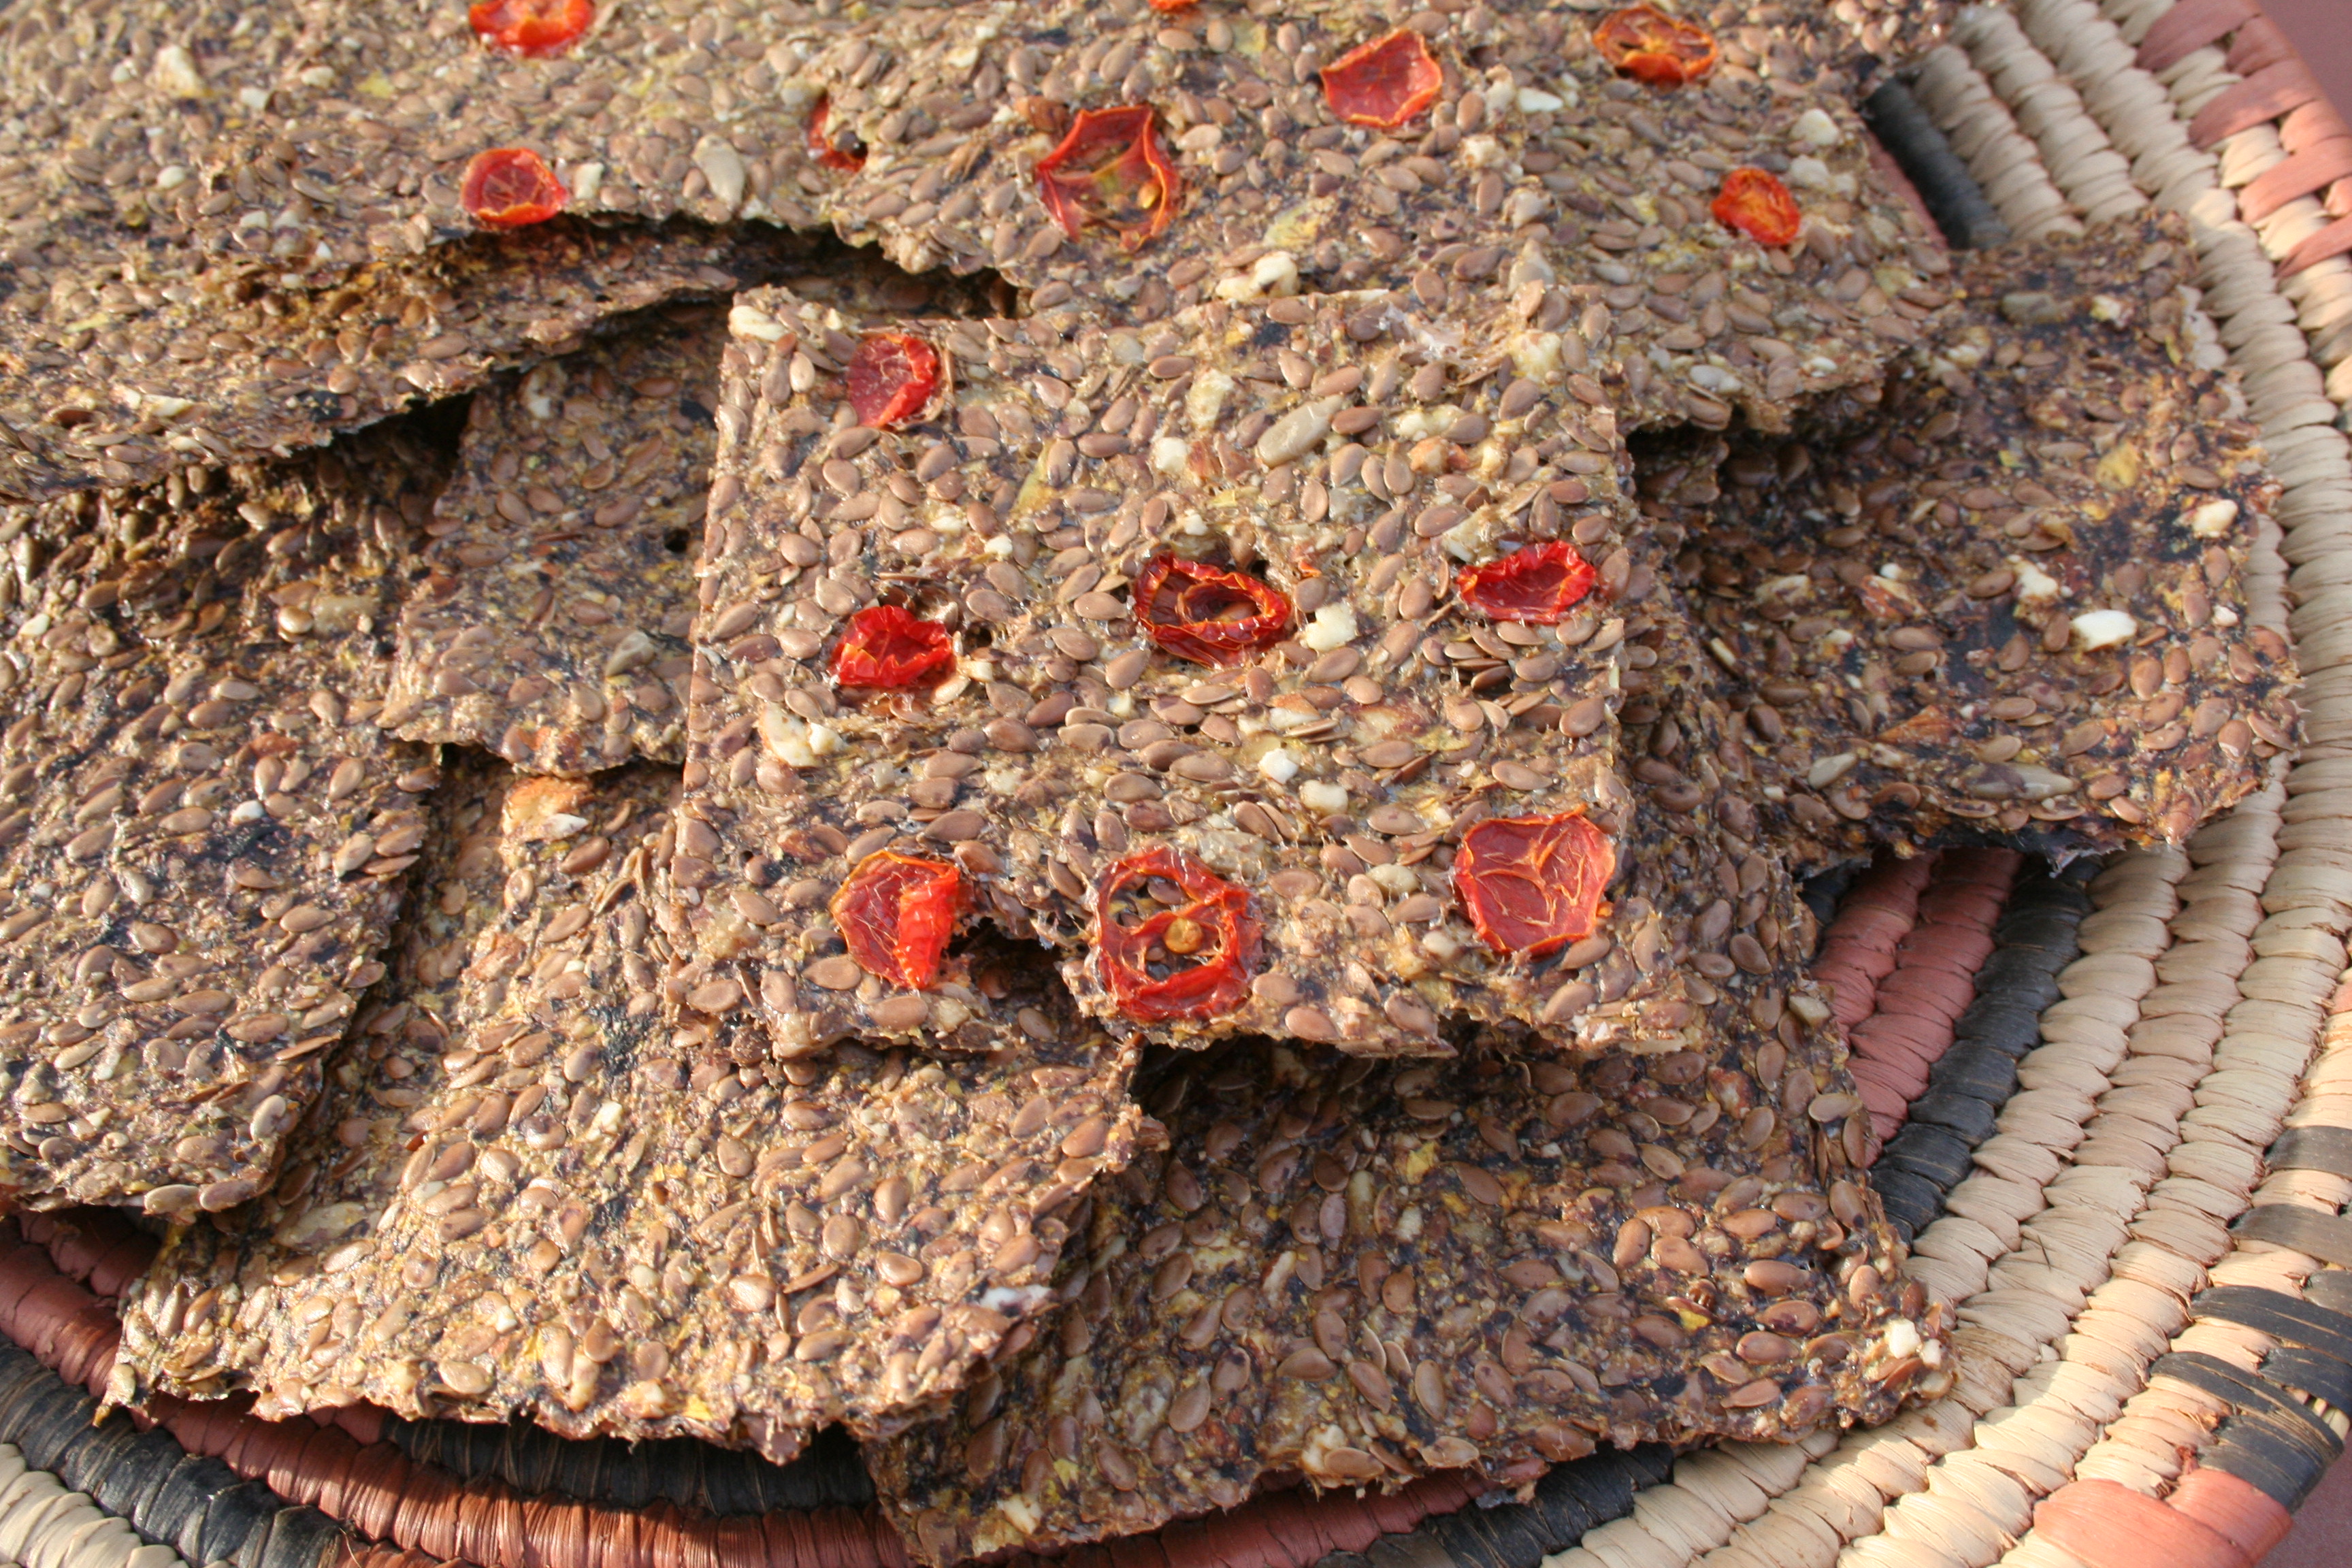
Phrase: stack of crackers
pixel 1080 734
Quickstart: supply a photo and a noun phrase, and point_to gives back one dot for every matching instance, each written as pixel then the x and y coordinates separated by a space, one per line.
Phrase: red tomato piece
pixel 1174 4
pixel 1759 207
pixel 1533 884
pixel 510 187
pixel 1110 170
pixel 1190 960
pixel 1538 584
pixel 1644 43
pixel 531 27
pixel 892 376
pixel 846 151
pixel 896 914
pixel 1208 613
pixel 1385 82
pixel 887 648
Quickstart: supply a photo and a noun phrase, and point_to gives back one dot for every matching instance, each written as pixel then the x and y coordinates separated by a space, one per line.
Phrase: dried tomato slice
pixel 1385 82
pixel 531 27
pixel 1538 584
pixel 892 376
pixel 846 151
pixel 1644 43
pixel 510 187
pixel 1208 613
pixel 1759 207
pixel 1174 4
pixel 1193 960
pixel 887 648
pixel 896 914
pixel 1533 884
pixel 1110 170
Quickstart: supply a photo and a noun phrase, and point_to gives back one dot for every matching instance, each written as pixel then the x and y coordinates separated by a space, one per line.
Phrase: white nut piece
pixel 2214 518
pixel 2104 629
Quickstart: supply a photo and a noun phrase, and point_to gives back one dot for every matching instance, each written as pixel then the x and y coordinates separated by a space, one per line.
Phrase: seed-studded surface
pixel 516 1204
pixel 1899 31
pixel 2014 599
pixel 1363 1271
pixel 1326 771
pixel 1705 905
pixel 205 831
pixel 1534 160
pixel 1534 164
pixel 551 627
pixel 115 381
pixel 362 150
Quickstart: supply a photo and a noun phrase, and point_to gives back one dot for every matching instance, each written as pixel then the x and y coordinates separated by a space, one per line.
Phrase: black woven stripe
pixel 2292 1418
pixel 1972 1119
pixel 2017 977
pixel 2309 1324
pixel 828 1474
pixel 2322 1236
pixel 1570 1500
pixel 2261 1455
pixel 1912 1201
pixel 1953 199
pixel 2309 1372
pixel 232 1519
pixel 295 1538
pixel 2327 1149
pixel 1976 1071
pixel 2047 926
pixel 92 1453
pixel 1934 1154
pixel 2013 1028
pixel 1928 1156
pixel 2330 1287
pixel 23 1383
pixel 175 1513
pixel 128 1487
pixel 197 1507
pixel 45 1424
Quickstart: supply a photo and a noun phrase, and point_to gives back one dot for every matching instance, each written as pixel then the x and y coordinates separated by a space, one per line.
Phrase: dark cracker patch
pixel 1899 598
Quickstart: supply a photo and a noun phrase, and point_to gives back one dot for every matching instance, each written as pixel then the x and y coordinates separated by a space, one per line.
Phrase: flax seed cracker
pixel 1364 1272
pixel 124 363
pixel 551 628
pixel 2012 598
pixel 206 833
pixel 519 1204
pixel 1350 458
pixel 1533 161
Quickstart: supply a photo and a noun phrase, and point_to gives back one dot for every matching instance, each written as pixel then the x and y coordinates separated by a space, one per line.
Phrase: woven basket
pixel 2154 1220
